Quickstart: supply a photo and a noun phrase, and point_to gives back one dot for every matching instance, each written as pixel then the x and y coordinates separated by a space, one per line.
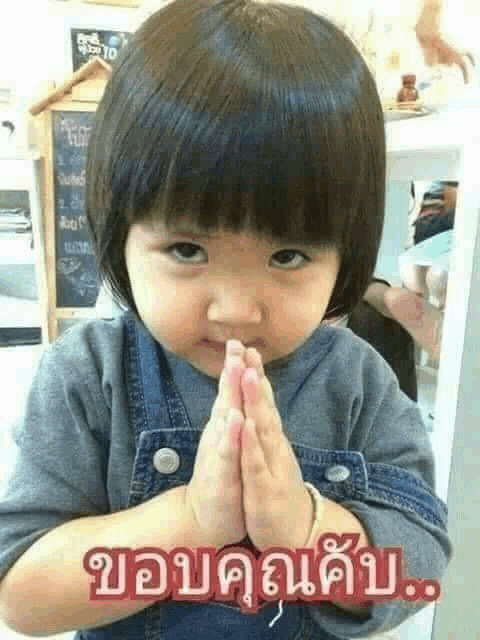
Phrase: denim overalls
pixel 164 435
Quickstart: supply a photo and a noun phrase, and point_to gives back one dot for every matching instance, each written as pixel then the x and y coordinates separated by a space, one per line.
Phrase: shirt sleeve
pixel 388 430
pixel 61 454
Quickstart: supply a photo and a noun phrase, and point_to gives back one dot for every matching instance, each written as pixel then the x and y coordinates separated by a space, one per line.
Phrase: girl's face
pixel 193 292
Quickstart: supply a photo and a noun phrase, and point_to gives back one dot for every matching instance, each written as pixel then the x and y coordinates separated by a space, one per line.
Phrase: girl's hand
pixel 278 508
pixel 214 493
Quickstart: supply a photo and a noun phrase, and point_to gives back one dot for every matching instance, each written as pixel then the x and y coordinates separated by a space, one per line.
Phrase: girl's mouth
pixel 219 347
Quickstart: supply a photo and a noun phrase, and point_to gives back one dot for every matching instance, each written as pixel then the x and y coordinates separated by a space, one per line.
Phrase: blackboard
pixel 88 43
pixel 77 282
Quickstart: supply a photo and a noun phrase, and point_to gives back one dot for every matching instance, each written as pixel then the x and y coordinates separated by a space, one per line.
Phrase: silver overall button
pixel 166 460
pixel 337 473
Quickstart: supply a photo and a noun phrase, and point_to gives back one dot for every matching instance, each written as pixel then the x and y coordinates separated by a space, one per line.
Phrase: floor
pixel 20 362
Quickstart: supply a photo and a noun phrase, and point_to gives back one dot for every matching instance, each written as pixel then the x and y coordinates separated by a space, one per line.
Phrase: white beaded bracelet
pixel 319 505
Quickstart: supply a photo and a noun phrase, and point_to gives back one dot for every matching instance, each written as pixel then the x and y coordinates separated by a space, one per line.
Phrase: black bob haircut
pixel 240 115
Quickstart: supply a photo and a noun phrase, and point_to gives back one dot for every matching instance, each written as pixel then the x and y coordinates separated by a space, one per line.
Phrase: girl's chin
pixel 211 347
pixel 210 369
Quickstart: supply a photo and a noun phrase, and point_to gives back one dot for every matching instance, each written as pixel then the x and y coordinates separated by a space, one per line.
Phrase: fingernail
pixel 234 347
pixel 253 375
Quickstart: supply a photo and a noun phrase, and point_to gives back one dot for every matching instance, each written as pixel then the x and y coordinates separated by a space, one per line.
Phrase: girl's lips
pixel 220 346
pixel 216 346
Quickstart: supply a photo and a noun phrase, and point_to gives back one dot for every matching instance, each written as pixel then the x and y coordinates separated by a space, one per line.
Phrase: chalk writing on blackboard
pixel 76 271
pixel 72 180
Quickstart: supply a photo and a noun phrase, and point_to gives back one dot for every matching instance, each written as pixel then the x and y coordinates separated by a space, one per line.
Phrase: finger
pixel 254 406
pixel 257 406
pixel 220 428
pixel 233 433
pixel 229 392
pixel 253 465
pixel 269 433
pixel 217 426
pixel 253 360
pixel 229 447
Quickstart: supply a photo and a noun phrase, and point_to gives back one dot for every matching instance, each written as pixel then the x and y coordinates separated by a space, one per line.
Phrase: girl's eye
pixel 188 253
pixel 184 252
pixel 291 257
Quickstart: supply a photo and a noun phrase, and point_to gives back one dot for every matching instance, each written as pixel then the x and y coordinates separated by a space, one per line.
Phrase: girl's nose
pixel 235 306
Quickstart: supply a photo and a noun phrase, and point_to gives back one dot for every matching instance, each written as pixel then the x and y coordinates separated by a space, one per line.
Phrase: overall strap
pixel 154 398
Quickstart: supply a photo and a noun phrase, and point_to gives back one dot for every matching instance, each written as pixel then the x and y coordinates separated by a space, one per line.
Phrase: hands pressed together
pixel 246 478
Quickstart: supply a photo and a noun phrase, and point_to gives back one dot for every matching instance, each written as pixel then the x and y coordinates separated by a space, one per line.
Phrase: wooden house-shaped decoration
pixel 63 121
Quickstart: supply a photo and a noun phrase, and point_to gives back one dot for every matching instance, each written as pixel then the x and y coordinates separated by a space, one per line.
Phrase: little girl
pixel 236 188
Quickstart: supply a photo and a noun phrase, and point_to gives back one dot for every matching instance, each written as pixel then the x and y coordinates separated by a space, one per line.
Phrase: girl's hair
pixel 240 115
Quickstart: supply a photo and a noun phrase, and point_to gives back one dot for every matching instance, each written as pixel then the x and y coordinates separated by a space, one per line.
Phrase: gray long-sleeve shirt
pixel 340 405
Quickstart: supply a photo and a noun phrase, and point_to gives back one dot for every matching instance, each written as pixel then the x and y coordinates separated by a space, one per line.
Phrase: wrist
pixel 339 520
pixel 318 511
pixel 191 533
pixel 331 517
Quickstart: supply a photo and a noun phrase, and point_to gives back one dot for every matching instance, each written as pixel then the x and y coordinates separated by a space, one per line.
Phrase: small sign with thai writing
pixel 88 43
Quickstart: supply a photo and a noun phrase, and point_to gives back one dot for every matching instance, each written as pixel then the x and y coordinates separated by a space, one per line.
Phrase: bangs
pixel 294 181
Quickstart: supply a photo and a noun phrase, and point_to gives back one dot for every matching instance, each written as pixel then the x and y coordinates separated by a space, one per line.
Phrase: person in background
pixel 422 321
pixel 418 305
pixel 409 305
